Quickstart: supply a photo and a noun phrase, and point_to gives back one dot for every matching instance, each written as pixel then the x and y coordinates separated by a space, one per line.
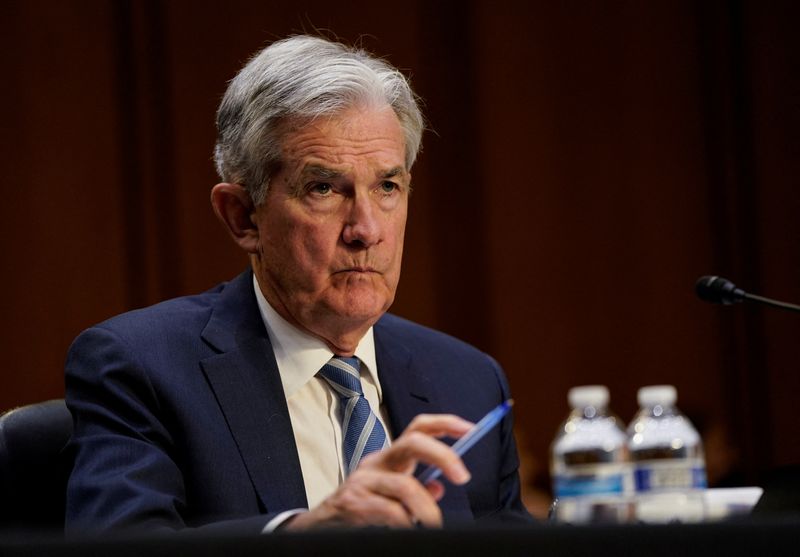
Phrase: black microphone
pixel 718 290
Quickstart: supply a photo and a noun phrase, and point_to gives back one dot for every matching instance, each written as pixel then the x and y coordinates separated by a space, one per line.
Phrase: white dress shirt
pixel 313 405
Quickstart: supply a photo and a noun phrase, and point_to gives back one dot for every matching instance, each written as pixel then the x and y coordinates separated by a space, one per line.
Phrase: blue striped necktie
pixel 362 432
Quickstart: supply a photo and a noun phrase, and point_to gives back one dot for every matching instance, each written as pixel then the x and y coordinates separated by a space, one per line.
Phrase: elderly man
pixel 287 397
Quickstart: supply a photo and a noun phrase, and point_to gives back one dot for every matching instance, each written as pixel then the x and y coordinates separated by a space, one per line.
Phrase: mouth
pixel 357 270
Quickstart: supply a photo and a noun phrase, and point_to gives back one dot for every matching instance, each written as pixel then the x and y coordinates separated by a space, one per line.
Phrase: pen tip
pixel 510 402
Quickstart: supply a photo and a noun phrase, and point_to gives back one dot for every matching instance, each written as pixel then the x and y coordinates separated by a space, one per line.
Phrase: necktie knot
pixel 344 375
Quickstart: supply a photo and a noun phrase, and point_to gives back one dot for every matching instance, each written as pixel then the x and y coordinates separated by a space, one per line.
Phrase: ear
pixel 234 208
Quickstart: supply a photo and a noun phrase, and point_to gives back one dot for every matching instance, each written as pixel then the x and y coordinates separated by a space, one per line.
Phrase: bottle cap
pixel 664 395
pixel 588 395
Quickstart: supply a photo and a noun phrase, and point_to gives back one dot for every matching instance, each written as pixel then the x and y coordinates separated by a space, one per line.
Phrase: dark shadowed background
pixel 588 161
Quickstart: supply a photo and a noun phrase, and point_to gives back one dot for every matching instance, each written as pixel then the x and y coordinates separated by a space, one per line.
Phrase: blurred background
pixel 586 162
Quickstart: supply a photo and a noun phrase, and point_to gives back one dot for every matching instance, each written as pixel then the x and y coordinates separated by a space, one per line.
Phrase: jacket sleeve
pixel 126 473
pixel 511 509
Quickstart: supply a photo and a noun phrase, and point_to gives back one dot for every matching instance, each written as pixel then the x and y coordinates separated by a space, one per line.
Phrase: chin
pixel 363 313
pixel 362 308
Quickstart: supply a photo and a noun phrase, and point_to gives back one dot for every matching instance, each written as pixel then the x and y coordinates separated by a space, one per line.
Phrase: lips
pixel 365 269
pixel 358 270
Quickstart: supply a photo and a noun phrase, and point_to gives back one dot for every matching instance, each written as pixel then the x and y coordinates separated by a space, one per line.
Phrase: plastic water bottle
pixel 589 468
pixel 667 456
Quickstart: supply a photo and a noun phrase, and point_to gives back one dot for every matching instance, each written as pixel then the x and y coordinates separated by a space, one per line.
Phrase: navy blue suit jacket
pixel 181 420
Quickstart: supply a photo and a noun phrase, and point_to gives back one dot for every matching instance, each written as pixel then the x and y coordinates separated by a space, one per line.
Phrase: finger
pixel 436 489
pixel 373 508
pixel 356 503
pixel 418 501
pixel 413 447
pixel 439 425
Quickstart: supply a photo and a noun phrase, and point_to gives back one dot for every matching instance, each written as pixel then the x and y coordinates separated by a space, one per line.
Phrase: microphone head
pixel 718 290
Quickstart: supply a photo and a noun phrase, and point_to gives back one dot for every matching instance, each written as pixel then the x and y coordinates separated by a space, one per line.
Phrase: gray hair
pixel 302 77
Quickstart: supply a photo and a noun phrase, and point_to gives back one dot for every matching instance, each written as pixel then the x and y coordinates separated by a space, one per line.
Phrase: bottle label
pixel 589 481
pixel 669 476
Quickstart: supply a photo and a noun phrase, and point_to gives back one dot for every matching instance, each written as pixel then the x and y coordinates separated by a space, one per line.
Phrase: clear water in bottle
pixel 588 464
pixel 667 456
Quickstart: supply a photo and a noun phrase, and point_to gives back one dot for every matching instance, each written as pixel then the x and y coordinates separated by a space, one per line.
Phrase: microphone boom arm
pixel 770 302
pixel 719 290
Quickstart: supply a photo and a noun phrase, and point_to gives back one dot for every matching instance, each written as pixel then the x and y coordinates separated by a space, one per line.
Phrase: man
pixel 251 406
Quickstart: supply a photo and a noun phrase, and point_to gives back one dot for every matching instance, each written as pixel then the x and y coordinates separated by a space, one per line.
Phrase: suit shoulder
pixel 464 375
pixel 421 337
pixel 167 317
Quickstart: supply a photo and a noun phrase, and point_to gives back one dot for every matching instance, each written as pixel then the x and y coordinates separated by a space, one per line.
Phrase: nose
pixel 362 227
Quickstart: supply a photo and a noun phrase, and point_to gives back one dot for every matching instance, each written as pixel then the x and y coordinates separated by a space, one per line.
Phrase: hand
pixel 382 490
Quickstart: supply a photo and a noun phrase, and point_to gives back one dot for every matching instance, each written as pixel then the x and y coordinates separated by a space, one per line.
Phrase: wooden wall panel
pixel 62 244
pixel 594 171
pixel 773 49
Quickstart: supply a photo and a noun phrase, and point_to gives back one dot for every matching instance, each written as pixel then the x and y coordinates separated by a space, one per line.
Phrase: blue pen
pixel 471 437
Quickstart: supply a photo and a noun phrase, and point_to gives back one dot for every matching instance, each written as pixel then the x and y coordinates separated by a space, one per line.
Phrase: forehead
pixel 371 136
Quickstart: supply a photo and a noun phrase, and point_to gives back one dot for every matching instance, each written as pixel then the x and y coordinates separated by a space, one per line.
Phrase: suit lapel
pixel 407 392
pixel 247 385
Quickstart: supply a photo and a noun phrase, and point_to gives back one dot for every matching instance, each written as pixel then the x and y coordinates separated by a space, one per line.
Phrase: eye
pixel 388 187
pixel 321 188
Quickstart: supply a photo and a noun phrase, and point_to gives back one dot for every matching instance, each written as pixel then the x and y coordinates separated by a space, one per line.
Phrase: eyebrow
pixel 396 171
pixel 321 172
pixel 324 173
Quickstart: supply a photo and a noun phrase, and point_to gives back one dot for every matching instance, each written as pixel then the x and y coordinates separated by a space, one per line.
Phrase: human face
pixel 331 227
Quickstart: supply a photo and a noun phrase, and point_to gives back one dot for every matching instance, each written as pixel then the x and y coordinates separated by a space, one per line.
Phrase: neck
pixel 344 341
pixel 340 335
pixel 341 338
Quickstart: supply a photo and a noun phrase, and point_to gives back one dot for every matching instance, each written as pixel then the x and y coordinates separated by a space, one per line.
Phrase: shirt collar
pixel 300 355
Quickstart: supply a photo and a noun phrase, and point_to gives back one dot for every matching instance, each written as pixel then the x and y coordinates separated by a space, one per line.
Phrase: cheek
pixel 286 246
pixel 399 230
pixel 314 246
